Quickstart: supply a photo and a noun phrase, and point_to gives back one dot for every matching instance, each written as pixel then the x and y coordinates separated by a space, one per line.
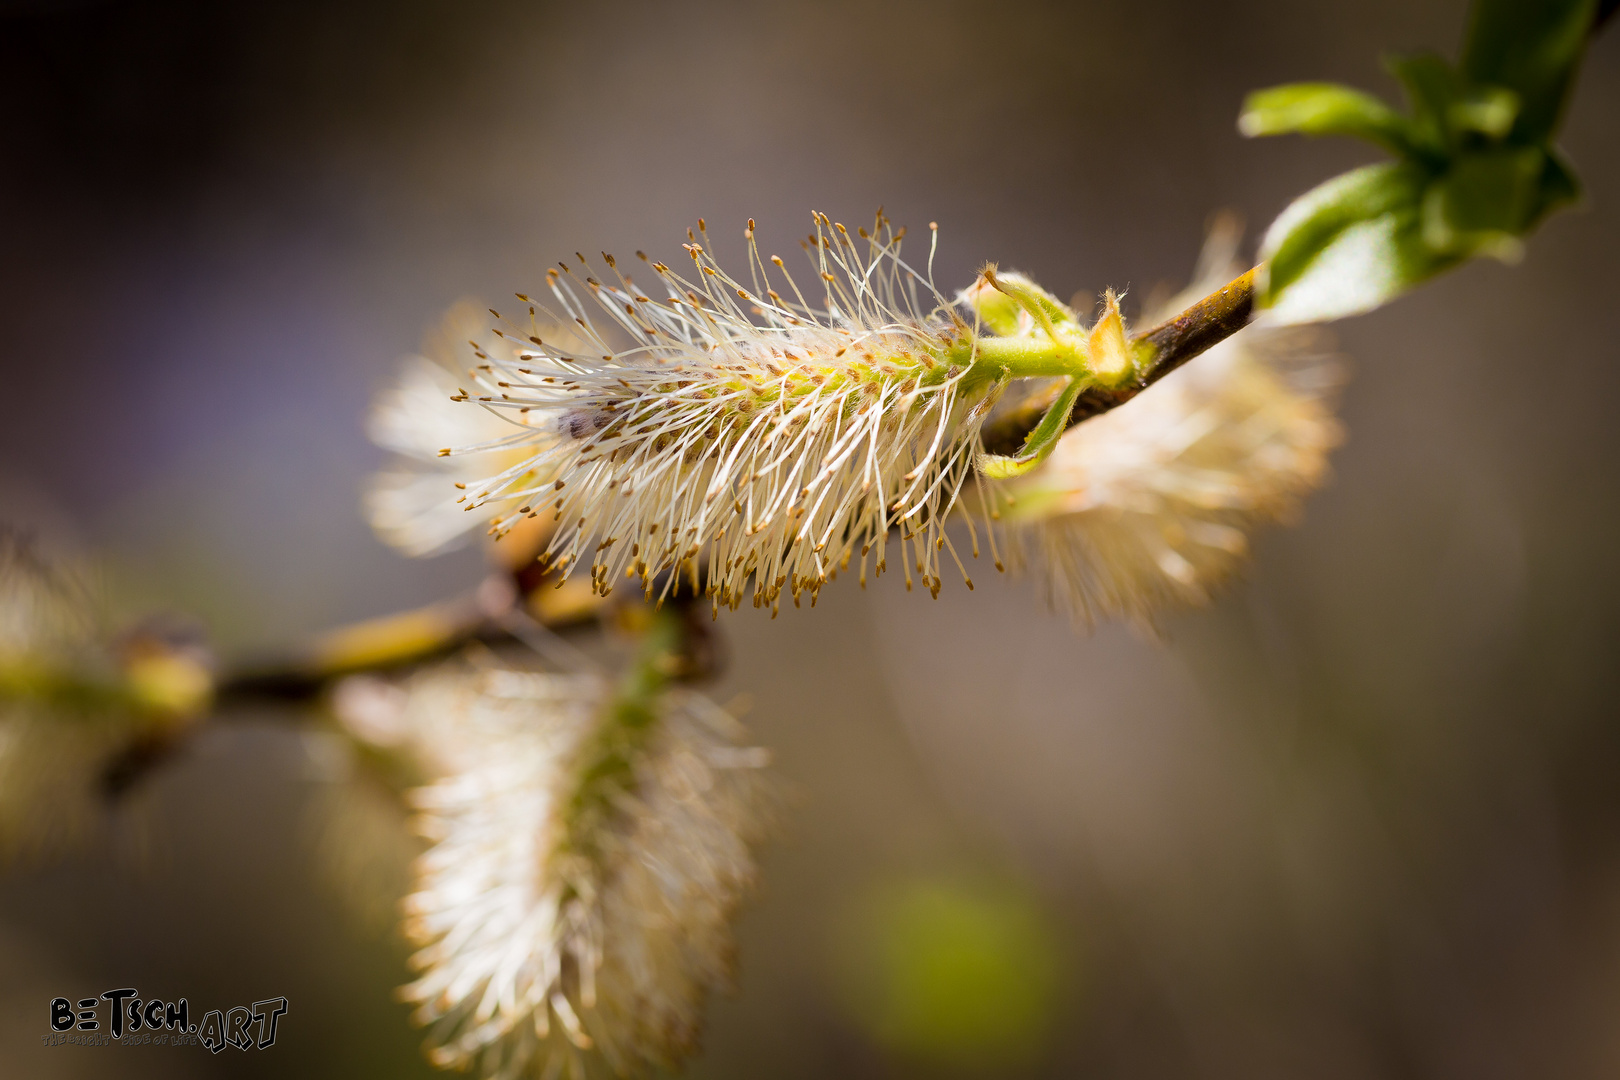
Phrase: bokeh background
pixel 1358 819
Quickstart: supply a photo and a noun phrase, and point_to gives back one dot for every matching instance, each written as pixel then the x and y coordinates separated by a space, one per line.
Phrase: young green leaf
pixel 1349 245
pixel 1039 442
pixel 1432 88
pixel 1477 169
pixel 1325 109
pixel 1532 47
pixel 1558 187
pixel 1483 203
pixel 1484 110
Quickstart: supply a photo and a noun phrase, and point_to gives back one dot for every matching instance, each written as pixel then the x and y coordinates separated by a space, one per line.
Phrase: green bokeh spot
pixel 961 973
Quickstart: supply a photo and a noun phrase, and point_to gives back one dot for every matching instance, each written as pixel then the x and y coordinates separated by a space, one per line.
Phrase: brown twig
pixel 495 614
pixel 1159 351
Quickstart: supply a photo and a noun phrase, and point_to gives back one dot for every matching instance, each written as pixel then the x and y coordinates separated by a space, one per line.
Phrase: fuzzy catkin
pixel 1150 506
pixel 58 724
pixel 417 504
pixel 537 945
pixel 723 431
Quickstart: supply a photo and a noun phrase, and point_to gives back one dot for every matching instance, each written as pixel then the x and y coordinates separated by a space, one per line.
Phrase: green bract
pixel 1475 169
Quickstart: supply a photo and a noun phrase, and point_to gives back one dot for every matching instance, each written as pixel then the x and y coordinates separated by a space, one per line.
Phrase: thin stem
pixel 1020 357
pixel 1157 352
pixel 403 640
pixel 381 644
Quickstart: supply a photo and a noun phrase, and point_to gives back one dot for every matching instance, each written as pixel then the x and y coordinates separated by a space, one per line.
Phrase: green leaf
pixel 1432 88
pixel 1558 187
pixel 1486 110
pixel 1447 109
pixel 1312 221
pixel 1488 200
pixel 1324 109
pixel 1349 245
pixel 1483 203
pixel 1038 443
pixel 1478 169
pixel 1532 47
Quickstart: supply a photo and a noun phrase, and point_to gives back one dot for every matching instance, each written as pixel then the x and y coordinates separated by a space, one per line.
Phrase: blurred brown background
pixel 1359 819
